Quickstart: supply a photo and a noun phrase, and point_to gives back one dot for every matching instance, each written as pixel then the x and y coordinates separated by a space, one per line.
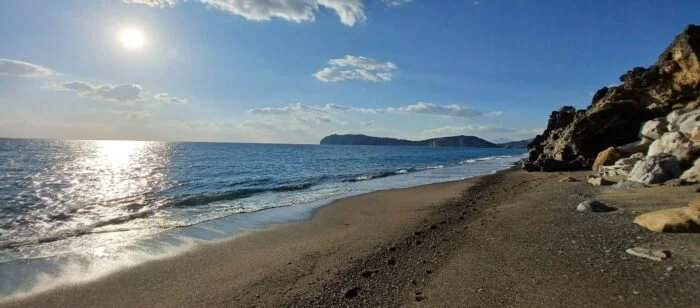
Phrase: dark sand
pixel 508 239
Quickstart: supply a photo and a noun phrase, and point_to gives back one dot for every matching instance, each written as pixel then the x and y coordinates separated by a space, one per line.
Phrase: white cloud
pixel 123 93
pixel 443 110
pixel 494 113
pixel 169 99
pixel 153 3
pixel 396 2
pixel 23 69
pixel 356 67
pixel 349 11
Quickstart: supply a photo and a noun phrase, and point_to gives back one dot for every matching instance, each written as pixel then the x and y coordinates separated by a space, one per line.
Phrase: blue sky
pixel 294 71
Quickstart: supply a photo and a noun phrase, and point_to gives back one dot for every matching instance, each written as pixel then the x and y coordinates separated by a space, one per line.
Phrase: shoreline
pixel 205 234
pixel 471 242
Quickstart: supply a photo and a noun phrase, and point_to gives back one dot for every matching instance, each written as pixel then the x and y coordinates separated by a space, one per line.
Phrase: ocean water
pixel 71 199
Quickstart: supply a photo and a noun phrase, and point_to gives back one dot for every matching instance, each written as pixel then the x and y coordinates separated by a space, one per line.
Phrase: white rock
pixel 655 169
pixel 677 144
pixel 598 181
pixel 655 128
pixel 683 120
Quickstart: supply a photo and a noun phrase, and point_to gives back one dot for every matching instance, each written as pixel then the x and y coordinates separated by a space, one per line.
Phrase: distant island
pixel 453 141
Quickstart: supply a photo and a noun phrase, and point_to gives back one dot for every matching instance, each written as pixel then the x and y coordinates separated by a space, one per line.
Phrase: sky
pixel 293 71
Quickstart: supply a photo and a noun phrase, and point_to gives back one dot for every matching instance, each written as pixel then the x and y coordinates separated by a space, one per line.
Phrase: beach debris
pixel 420 297
pixel 646 253
pixel 608 157
pixel 594 206
pixel 352 293
pixel 567 179
pixel 655 169
pixel 628 185
pixel 682 219
pixel 391 261
pixel 598 181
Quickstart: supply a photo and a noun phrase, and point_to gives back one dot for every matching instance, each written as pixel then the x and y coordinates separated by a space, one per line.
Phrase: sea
pixel 72 211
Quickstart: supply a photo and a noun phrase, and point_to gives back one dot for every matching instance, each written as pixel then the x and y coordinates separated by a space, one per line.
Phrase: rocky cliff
pixel 573 138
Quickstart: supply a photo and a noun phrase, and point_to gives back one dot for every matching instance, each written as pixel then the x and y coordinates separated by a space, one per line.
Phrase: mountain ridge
pixel 450 141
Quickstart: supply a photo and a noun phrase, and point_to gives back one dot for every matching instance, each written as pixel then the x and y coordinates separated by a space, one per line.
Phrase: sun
pixel 132 38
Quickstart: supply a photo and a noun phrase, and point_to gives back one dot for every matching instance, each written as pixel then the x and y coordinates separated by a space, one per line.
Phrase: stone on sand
pixel 682 219
pixel 646 253
pixel 598 181
pixel 628 185
pixel 594 206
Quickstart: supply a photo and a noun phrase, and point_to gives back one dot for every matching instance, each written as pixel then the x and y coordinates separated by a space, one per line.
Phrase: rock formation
pixel 573 138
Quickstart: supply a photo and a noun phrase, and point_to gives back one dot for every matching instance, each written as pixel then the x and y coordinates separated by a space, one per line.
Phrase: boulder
pixel 677 144
pixel 676 183
pixel 683 219
pixel 594 206
pixel 573 138
pixel 683 120
pixel 608 157
pixel 655 169
pixel 692 175
pixel 654 129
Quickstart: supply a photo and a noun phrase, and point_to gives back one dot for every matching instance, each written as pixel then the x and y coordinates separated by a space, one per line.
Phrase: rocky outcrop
pixel 675 143
pixel 573 138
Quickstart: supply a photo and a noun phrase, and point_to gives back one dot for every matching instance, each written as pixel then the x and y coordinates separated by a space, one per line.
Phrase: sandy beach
pixel 508 239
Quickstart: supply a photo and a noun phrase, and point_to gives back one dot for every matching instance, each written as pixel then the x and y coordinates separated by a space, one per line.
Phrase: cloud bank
pixel 123 93
pixel 23 69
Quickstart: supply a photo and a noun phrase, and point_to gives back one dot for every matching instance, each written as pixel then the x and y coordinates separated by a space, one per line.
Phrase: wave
pixel 487 158
pixel 235 194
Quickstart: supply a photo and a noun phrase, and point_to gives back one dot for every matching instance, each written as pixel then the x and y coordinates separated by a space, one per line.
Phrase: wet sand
pixel 508 239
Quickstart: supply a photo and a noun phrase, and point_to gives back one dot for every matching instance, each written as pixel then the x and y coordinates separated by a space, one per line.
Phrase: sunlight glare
pixel 132 38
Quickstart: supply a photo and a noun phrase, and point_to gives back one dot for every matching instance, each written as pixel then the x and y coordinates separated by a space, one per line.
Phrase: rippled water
pixel 57 197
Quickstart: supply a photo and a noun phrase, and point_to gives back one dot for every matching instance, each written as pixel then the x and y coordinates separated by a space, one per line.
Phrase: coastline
pixel 502 239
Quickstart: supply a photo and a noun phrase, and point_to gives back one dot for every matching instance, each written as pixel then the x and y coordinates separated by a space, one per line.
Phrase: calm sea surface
pixel 69 197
